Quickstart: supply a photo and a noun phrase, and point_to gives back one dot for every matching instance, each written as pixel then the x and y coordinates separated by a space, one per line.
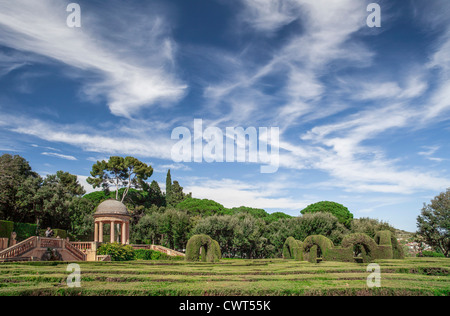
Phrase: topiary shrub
pixel 322 243
pixel 383 238
pixel 361 244
pixel 387 238
pixel 292 249
pixel 204 248
pixel 339 254
pixel 118 252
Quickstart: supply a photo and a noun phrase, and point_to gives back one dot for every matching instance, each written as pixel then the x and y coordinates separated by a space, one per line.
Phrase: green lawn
pixel 414 276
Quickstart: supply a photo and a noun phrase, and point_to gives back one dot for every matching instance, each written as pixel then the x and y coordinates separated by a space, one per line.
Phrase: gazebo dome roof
pixel 111 207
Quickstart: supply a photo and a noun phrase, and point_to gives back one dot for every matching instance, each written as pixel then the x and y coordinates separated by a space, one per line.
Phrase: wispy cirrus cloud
pixel 61 156
pixel 129 82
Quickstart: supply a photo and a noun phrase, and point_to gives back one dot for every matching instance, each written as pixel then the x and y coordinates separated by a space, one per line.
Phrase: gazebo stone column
pixel 112 231
pixel 96 235
pixel 100 231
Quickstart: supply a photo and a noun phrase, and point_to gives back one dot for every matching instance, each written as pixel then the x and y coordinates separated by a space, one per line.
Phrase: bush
pixel 431 254
pixel 148 254
pixel 118 252
pixel 202 247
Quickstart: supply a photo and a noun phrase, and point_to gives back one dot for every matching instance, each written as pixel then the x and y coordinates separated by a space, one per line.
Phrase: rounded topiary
pixel 369 247
pixel 322 243
pixel 292 249
pixel 202 247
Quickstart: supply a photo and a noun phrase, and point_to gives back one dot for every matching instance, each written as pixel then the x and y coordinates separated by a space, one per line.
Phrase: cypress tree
pixel 168 188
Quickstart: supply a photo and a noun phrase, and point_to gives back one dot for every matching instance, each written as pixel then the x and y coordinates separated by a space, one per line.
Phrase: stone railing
pixel 20 248
pixel 50 242
pixel 75 251
pixel 83 246
pixel 169 252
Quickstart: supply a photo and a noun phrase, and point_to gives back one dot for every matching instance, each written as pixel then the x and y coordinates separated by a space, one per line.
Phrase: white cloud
pixel 61 156
pixel 233 193
pixel 128 83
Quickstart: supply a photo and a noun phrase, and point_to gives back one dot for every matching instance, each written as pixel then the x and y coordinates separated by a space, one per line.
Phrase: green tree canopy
pixel 119 172
pixel 434 223
pixel 340 211
pixel 14 172
pixel 203 207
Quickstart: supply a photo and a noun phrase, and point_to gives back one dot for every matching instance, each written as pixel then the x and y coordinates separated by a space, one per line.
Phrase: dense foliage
pixel 242 232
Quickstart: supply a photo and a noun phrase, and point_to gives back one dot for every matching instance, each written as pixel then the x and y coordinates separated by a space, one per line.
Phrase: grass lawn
pixel 274 277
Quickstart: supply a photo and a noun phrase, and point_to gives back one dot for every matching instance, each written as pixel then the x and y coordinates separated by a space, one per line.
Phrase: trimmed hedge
pixel 293 249
pixel 149 254
pixel 6 228
pixel 384 252
pixel 322 242
pixel 204 246
pixel 25 230
pixel 339 254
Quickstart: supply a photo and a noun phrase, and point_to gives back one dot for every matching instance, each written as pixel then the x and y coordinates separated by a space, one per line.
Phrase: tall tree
pixel 14 171
pixel 434 223
pixel 155 194
pixel 119 172
pixel 57 193
pixel 168 188
pixel 176 194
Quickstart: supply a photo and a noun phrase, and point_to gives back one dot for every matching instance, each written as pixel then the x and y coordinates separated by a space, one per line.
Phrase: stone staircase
pixel 33 249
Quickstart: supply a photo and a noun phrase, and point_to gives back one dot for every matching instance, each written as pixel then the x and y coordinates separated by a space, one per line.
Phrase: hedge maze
pixel 354 247
pixel 202 248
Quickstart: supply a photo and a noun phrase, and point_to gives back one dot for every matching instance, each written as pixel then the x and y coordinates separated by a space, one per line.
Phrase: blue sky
pixel 363 113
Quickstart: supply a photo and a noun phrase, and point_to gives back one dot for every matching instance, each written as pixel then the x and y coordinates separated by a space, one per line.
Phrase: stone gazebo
pixel 114 213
